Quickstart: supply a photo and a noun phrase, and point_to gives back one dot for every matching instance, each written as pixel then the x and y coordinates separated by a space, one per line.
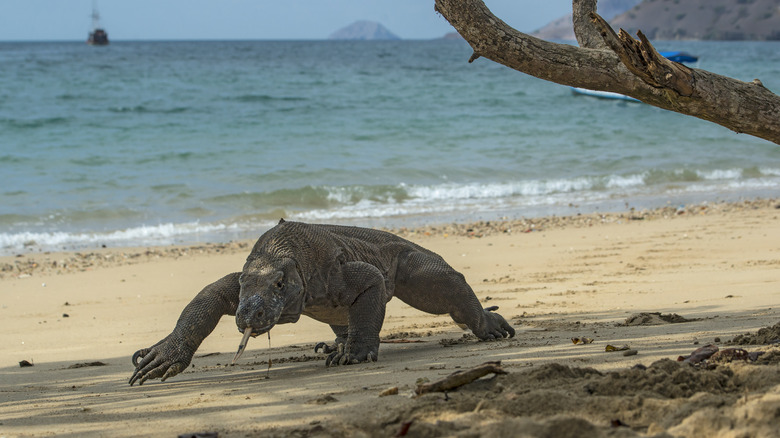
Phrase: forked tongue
pixel 242 345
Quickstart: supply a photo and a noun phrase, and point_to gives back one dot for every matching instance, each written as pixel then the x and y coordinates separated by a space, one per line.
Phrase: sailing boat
pixel 98 36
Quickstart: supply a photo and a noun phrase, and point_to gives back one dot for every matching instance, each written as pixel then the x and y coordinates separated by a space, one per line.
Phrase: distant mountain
pixel 452 36
pixel 683 19
pixel 364 30
pixel 563 29
pixel 704 19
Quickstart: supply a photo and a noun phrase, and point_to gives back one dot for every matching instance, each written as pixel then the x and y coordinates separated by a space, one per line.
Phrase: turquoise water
pixel 143 143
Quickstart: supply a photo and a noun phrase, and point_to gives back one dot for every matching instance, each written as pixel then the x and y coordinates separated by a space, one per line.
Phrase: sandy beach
pixel 712 272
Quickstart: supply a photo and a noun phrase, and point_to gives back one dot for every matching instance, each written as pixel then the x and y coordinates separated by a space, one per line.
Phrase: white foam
pixel 144 234
pixel 409 200
pixel 453 191
pixel 720 174
pixel 483 197
pixel 617 181
pixel 450 197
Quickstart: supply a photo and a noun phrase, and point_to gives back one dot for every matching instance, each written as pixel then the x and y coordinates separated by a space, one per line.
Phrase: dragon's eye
pixel 279 284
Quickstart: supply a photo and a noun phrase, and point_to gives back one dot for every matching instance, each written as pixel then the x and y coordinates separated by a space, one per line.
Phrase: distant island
pixel 451 36
pixel 364 30
pixel 684 20
pixel 704 20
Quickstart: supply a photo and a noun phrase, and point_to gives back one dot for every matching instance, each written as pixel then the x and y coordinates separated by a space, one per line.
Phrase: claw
pixel 137 376
pixel 322 345
pixel 142 354
pixel 172 371
pixel 139 354
pixel 242 344
pixel 337 357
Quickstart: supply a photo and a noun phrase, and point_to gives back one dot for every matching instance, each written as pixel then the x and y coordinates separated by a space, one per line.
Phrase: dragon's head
pixel 269 286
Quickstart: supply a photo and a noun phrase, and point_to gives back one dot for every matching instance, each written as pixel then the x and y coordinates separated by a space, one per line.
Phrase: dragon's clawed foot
pixel 496 326
pixel 163 360
pixel 353 354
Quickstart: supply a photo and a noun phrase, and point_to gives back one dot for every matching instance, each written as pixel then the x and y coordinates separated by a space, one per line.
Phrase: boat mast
pixel 95 16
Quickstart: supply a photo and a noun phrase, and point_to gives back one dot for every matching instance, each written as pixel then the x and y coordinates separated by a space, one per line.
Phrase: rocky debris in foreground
pixel 667 397
pixel 766 335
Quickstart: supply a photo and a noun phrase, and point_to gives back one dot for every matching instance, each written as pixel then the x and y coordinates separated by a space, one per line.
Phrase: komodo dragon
pixel 342 276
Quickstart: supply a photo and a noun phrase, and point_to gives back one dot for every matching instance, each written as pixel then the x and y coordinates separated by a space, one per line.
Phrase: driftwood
pixel 460 378
pixel 607 61
pixel 700 354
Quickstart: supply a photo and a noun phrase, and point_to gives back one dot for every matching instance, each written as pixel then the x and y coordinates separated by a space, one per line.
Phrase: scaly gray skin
pixel 342 276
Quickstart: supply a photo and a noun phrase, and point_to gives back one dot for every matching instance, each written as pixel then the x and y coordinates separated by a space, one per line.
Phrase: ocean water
pixel 154 143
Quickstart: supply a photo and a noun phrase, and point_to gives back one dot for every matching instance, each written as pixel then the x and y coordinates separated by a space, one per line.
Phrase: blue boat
pixel 678 56
pixel 681 57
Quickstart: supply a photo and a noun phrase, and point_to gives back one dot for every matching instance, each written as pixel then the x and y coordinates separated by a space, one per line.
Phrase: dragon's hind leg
pixel 426 282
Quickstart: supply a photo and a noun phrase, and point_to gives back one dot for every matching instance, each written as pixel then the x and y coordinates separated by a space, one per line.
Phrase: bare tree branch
pixel 588 36
pixel 641 58
pixel 618 64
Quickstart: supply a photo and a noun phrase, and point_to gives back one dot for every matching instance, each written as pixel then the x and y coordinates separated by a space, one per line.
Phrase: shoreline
pixel 22 265
pixel 241 227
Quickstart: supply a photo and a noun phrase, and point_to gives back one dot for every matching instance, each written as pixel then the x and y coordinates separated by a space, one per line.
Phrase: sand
pixel 704 275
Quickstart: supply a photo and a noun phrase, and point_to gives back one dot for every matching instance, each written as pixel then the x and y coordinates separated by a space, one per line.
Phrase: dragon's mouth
pixel 248 331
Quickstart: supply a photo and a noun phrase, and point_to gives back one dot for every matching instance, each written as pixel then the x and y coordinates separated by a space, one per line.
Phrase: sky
pixel 52 20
